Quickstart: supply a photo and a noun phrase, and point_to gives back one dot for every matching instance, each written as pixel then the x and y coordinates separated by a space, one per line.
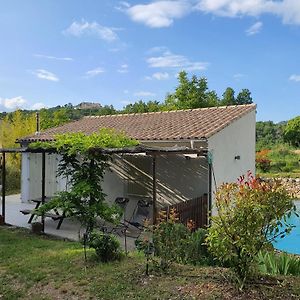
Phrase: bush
pixel 196 251
pixel 169 239
pixel 106 245
pixel 251 214
pixel 175 242
pixel 262 161
pixel 278 264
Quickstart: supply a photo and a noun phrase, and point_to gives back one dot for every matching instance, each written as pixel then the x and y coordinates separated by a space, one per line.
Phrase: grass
pixel 37 267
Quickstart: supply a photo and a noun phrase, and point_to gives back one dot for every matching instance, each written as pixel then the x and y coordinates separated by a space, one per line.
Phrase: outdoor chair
pixel 140 214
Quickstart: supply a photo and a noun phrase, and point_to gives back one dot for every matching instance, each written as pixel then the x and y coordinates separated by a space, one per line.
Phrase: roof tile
pixel 170 125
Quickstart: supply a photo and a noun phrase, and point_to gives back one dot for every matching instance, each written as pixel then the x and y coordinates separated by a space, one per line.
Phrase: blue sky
pixel 115 52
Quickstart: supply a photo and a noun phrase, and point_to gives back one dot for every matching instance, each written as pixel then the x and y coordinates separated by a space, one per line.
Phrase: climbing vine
pixel 83 164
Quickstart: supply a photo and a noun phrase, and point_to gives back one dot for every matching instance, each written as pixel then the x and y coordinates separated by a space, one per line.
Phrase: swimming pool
pixel 291 242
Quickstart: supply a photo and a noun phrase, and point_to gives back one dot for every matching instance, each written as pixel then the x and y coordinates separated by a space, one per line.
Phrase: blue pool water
pixel 291 242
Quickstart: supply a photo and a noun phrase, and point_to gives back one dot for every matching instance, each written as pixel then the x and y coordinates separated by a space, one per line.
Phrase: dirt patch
pixel 55 292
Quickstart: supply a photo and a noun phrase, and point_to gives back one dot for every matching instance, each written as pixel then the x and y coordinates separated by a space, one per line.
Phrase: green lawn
pixel 33 267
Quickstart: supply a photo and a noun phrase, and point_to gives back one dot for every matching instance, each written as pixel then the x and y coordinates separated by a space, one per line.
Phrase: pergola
pixel 140 149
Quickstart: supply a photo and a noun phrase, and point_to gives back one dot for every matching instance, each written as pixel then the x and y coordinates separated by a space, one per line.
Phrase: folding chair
pixel 141 213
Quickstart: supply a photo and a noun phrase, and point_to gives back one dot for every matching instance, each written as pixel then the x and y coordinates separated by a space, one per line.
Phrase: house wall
pixel 178 178
pixel 236 139
pixel 31 178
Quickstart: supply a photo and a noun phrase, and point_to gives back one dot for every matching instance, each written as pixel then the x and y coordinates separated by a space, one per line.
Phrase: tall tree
pixel 244 97
pixel 191 93
pixel 13 127
pixel 228 97
pixel 292 132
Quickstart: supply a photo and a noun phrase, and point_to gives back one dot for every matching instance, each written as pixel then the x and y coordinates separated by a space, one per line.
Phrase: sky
pixel 54 52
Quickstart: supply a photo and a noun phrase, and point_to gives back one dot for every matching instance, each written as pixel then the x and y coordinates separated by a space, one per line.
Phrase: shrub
pixel 106 245
pixel 278 264
pixel 251 214
pixel 262 161
pixel 169 239
pixel 284 159
pixel 196 251
pixel 175 242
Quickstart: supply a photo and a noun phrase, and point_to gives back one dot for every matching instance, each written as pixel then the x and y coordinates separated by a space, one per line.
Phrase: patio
pixel 70 229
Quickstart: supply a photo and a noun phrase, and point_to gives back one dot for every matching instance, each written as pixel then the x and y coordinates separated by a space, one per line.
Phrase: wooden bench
pixel 54 216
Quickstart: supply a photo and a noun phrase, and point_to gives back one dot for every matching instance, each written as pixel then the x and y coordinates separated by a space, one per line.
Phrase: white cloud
pixel 254 29
pixel 13 103
pixel 144 94
pixel 159 76
pixel 162 13
pixel 122 5
pixel 170 60
pixel 295 77
pixel 125 91
pixel 84 28
pixel 94 72
pixel 157 49
pixel 44 74
pixel 287 10
pixel 123 69
pixel 38 106
pixel 238 76
pixel 158 13
pixel 53 57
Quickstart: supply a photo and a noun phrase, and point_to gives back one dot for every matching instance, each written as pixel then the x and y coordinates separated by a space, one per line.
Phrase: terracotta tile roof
pixel 170 125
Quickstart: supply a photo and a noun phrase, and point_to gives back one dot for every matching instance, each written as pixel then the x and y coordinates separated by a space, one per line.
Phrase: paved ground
pixel 70 229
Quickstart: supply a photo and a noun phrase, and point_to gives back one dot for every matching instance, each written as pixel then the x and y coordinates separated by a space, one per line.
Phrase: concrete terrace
pixel 70 229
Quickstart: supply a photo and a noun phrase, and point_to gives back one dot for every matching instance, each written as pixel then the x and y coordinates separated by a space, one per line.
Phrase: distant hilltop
pixel 88 105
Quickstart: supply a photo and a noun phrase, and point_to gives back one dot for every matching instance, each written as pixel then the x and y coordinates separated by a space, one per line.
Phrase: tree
pixel 251 214
pixel 228 97
pixel 292 132
pixel 190 93
pixel 142 107
pixel 268 134
pixel 13 127
pixel 244 97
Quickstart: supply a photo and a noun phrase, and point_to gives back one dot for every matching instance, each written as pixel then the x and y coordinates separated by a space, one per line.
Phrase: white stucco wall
pixel 238 139
pixel 178 178
pixel 31 178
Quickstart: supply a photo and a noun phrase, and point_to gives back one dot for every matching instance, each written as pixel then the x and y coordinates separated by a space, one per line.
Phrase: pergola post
pixel 3 186
pixel 209 192
pixel 43 185
pixel 154 189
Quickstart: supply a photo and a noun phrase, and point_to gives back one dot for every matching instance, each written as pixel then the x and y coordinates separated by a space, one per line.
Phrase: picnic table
pixel 54 216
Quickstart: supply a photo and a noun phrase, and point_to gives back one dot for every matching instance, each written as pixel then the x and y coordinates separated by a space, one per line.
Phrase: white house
pixel 227 133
